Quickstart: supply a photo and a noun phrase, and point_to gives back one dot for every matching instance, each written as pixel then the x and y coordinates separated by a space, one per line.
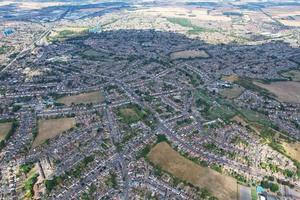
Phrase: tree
pixel 265 184
pixel 274 187
pixel 50 184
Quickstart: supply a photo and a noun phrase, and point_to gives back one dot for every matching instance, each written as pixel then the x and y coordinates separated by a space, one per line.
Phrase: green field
pixel 131 114
pixel 214 108
pixel 294 75
pixel 188 24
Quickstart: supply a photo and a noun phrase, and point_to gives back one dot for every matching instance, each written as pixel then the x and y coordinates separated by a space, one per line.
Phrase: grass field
pixel 66 32
pixel 253 193
pixel 292 74
pixel 185 22
pixel 232 93
pixel 189 54
pixel 292 149
pixel 4 129
pixel 50 128
pixel 90 97
pixel 130 113
pixel 221 186
pixel 279 88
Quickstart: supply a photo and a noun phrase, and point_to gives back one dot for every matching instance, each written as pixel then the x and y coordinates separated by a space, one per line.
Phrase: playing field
pixel 4 129
pixel 90 97
pixel 286 91
pixel 221 186
pixel 189 54
pixel 50 128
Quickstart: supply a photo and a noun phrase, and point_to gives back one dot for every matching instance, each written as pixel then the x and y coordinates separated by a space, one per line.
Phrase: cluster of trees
pixel 28 185
pixel 274 187
pixel 76 172
pixel 26 167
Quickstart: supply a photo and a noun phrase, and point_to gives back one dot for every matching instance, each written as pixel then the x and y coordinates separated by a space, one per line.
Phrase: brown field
pixel 221 186
pixel 286 91
pixel 4 129
pixel 90 97
pixel 292 149
pixel 50 128
pixel 231 78
pixel 293 74
pixel 232 93
pixel 189 54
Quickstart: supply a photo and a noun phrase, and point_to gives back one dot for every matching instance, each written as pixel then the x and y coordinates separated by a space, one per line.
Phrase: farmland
pixel 50 128
pixel 221 186
pixel 90 97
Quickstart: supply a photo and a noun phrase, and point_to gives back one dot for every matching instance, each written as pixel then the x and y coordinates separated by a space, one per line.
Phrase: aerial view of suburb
pixel 149 99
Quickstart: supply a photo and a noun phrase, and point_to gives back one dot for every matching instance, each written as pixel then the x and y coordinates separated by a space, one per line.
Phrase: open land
pixel 231 78
pixel 158 66
pixel 50 128
pixel 292 149
pixel 4 129
pixel 232 93
pixel 189 54
pixel 90 97
pixel 221 186
pixel 292 95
